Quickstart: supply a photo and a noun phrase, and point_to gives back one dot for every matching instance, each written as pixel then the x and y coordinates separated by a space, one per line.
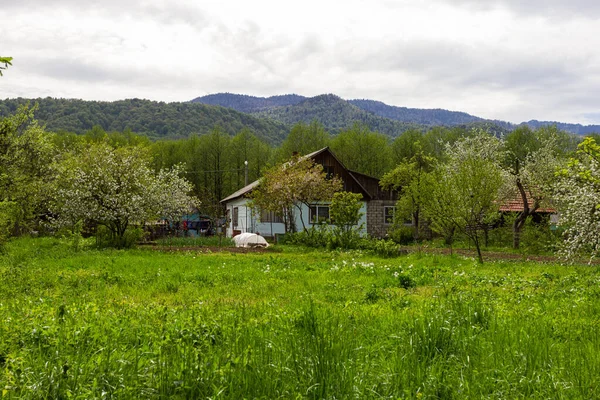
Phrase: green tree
pixel 26 171
pixel 6 61
pixel 345 214
pixel 363 151
pixel 406 146
pixel 472 180
pixel 409 179
pixel 304 139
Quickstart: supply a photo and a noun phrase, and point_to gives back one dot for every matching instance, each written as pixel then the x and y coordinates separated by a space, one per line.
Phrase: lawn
pixel 292 323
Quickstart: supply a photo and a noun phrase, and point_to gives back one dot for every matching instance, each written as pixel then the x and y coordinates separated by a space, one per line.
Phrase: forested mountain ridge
pixel 156 120
pixel 433 117
pixel 573 128
pixel 249 104
pixel 423 117
pixel 336 115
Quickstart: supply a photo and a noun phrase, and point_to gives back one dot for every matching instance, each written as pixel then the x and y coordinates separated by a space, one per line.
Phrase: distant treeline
pixel 157 120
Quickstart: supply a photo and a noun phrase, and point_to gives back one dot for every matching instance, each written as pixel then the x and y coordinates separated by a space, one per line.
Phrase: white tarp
pixel 250 240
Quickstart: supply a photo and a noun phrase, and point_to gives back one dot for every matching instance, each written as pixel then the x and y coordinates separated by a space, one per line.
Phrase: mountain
pixel 416 115
pixel 293 108
pixel 335 114
pixel 573 128
pixel 249 104
pixel 157 120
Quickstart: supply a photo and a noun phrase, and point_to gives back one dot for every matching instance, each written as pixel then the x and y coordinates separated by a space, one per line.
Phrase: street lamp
pixel 246 173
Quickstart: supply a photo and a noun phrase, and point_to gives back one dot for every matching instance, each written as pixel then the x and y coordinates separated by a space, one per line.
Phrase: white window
pixel 319 214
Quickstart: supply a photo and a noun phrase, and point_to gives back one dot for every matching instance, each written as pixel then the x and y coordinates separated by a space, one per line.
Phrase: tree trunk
pixel 522 217
pixel 416 224
pixel 478 247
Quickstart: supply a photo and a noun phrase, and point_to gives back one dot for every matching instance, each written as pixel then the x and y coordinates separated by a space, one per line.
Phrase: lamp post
pixel 246 173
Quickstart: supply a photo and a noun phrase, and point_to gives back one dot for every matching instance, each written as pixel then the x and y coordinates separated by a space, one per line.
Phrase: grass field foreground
pixel 292 324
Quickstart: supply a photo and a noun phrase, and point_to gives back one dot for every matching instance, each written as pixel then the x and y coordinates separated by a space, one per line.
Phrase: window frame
pixel 313 210
pixel 386 220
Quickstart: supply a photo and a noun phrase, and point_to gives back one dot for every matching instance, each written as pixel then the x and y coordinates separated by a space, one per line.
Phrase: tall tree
pixel 406 146
pixel 472 180
pixel 362 150
pixel 409 179
pixel 26 169
pixel 530 159
pixel 304 139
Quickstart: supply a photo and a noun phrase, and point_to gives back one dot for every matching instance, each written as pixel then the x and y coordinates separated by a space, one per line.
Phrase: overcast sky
pixel 513 60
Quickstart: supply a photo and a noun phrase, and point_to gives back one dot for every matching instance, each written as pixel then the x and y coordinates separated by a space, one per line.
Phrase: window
pixel 388 214
pixel 319 214
pixel 235 217
pixel 328 169
pixel 269 216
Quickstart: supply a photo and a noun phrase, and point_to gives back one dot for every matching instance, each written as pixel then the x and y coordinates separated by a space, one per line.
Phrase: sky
pixel 511 60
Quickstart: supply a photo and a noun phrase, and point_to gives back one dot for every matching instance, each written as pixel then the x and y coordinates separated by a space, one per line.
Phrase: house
pixel 378 204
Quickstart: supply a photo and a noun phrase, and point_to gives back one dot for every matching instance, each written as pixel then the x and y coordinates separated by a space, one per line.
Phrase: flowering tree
pixel 530 161
pixel 116 188
pixel 288 186
pixel 578 193
pixel 466 188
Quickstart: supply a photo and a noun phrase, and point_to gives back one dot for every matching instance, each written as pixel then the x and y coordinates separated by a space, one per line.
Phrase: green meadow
pixel 292 323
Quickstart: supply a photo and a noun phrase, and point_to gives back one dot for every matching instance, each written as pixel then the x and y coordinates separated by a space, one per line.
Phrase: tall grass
pixel 141 324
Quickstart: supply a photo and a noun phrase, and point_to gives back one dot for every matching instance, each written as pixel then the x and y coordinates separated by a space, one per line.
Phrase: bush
pixel 539 238
pixel 8 217
pixel 317 236
pixel 105 238
pixel 402 234
pixel 385 248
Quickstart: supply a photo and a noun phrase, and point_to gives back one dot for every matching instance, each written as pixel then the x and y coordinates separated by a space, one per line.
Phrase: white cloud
pixel 506 59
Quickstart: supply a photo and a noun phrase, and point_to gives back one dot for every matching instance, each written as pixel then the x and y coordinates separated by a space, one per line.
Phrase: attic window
pixel 328 169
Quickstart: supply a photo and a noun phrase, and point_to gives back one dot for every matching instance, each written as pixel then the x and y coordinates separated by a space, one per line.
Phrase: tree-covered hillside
pixel 336 115
pixel 573 128
pixel 249 104
pixel 151 118
pixel 291 108
pixel 416 115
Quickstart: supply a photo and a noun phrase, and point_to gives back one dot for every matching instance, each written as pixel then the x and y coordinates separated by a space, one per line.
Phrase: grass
pixel 292 324
pixel 211 241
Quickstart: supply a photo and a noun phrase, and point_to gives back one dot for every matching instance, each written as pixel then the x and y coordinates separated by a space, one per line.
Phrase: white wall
pixel 248 222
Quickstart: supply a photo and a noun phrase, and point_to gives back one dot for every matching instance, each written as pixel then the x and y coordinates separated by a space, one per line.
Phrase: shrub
pixel 105 238
pixel 317 236
pixel 385 248
pixel 402 234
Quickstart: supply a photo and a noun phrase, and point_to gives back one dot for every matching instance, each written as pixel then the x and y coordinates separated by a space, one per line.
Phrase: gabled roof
pixel 248 188
pixel 242 191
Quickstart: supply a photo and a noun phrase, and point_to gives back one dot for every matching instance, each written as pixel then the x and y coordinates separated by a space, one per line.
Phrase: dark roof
pixel 247 189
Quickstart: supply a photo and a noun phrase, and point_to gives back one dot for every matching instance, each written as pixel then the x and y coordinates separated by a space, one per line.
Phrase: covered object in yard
pixel 250 240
